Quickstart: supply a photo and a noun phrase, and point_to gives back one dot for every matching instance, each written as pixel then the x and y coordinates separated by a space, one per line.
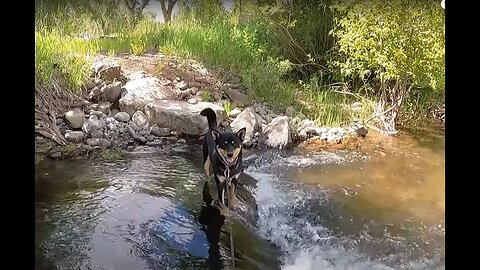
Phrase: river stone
pixel 107 70
pixel 97 134
pixel 248 119
pixel 141 91
pixel 160 132
pixel 104 107
pixel 277 133
pixel 111 93
pixel 91 124
pixel 181 141
pixel 139 119
pixel 235 112
pixel 181 116
pixel 93 141
pixel 75 118
pixel 74 136
pixel 139 138
pixel 122 117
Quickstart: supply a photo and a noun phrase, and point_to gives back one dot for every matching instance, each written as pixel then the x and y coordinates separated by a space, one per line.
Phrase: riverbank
pixel 156 99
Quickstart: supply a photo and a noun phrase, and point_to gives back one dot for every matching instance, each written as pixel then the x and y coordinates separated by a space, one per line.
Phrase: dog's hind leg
pixel 207 167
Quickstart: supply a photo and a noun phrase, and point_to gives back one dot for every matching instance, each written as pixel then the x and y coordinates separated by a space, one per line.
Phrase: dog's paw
pixel 224 211
pixel 233 203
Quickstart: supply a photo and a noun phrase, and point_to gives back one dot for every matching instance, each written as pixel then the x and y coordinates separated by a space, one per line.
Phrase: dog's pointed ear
pixel 215 134
pixel 241 133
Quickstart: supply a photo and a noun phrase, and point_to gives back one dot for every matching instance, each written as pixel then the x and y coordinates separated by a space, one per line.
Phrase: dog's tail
pixel 211 117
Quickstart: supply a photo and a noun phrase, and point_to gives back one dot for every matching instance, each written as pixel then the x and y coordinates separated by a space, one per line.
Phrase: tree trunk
pixel 167 9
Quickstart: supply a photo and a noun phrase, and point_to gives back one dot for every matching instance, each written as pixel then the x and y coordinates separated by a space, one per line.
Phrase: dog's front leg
pixel 221 187
pixel 232 196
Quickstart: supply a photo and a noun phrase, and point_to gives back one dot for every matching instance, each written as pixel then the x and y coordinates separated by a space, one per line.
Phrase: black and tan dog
pixel 222 157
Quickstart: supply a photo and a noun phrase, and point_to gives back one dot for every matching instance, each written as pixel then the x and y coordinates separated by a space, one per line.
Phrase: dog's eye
pixel 226 142
pixel 233 142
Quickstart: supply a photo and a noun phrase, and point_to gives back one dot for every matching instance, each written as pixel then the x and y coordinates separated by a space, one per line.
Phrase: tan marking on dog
pixel 221 178
pixel 207 166
pixel 236 152
pixel 222 153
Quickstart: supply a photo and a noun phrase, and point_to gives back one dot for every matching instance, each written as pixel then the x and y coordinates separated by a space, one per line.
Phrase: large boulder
pixel 248 119
pixel 277 133
pixel 141 91
pixel 181 116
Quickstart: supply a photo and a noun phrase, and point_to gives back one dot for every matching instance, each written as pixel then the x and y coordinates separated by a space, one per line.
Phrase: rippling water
pixel 343 210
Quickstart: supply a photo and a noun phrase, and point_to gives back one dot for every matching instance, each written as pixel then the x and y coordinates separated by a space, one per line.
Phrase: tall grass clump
pixel 61 57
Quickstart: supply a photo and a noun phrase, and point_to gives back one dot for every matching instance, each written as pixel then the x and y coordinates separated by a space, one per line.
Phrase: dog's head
pixel 229 145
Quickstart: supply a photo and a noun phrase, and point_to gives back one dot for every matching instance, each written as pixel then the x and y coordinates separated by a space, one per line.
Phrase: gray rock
pixel 93 141
pixel 131 131
pixel 110 119
pixel 107 71
pixel 111 93
pixel 247 143
pixel 277 133
pixel 55 154
pixel 104 107
pixel 217 96
pixel 248 119
pixel 181 116
pixel 176 133
pixel 98 114
pixel 134 126
pixel 122 117
pixel 97 134
pixel 75 118
pixel 111 126
pixel 144 132
pixel 105 143
pixel 182 85
pixel 237 97
pixel 181 141
pixel 91 124
pixel 193 101
pixel 150 138
pixel 154 143
pixel 139 138
pixel 114 112
pixel 74 136
pixel 139 119
pixel 193 90
pixel 160 132
pixel 130 147
pixel 290 111
pixel 235 112
pixel 142 91
pixel 224 123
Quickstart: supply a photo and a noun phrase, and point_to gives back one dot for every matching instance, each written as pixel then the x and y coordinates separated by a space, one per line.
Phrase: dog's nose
pixel 230 155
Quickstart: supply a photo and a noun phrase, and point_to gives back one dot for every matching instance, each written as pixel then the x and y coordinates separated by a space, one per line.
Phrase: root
pixel 51 101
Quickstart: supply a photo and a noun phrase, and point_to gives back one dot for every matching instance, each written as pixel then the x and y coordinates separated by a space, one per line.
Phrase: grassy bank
pixel 277 62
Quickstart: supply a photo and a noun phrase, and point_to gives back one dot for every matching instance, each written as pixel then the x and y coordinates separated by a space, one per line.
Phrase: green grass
pixel 239 49
pixel 206 96
pixel 112 154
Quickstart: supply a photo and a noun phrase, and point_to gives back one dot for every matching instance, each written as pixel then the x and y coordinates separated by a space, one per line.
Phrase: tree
pixel 136 6
pixel 167 9
pixel 399 45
